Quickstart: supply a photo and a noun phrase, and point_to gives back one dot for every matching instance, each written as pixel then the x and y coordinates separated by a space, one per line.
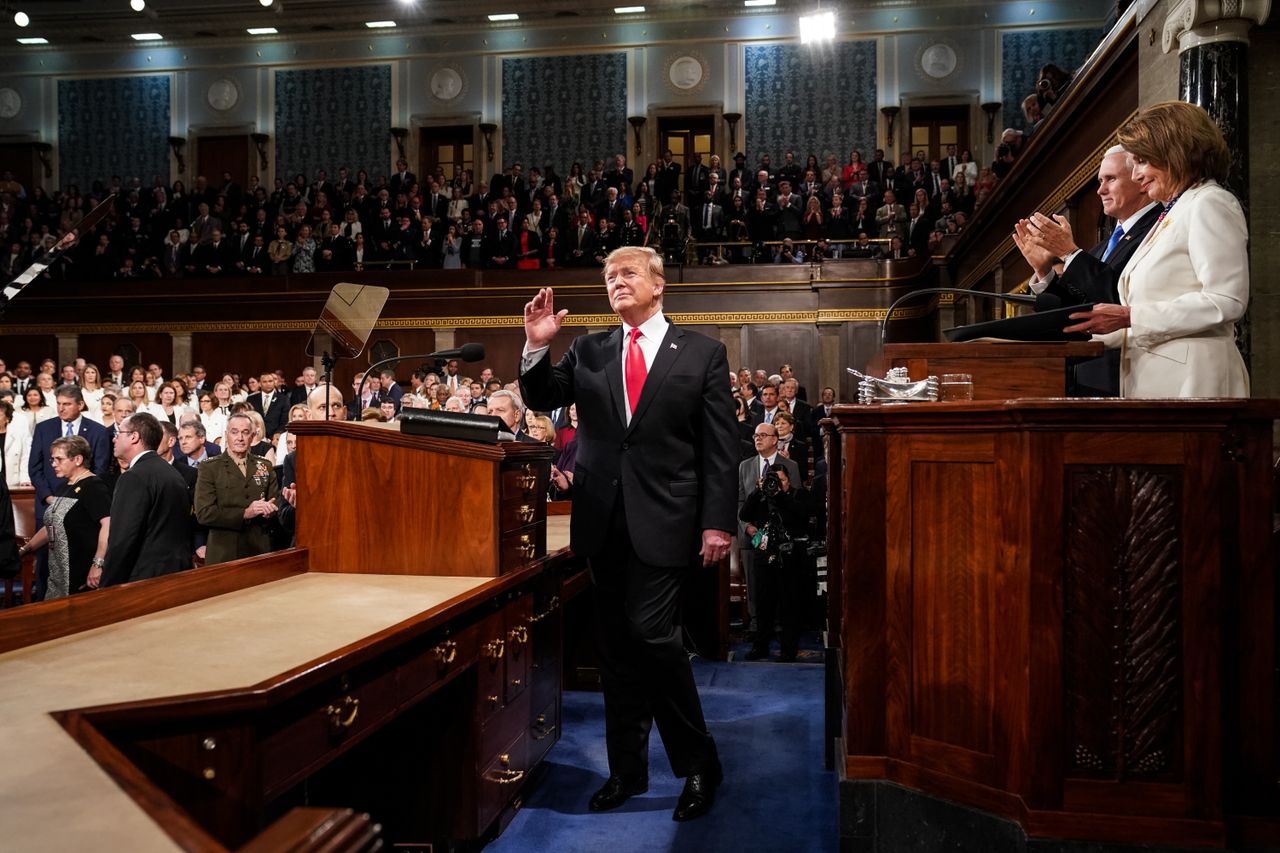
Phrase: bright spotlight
pixel 817 27
pixel 21 19
pixel 137 5
pixel 266 2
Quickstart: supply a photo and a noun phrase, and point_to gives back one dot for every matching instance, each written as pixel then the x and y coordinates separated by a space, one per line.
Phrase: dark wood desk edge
pixel 50 620
pixel 996 349
pixel 507 450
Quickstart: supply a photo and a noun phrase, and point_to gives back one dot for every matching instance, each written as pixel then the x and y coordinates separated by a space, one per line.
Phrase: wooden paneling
pixel 32 348
pixel 999 371
pixel 768 347
pixel 151 346
pixel 218 154
pixel 250 353
pixel 1044 613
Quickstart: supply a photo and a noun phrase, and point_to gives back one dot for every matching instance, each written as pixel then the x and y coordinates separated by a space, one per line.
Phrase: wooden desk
pixel 187 712
pixel 1063 612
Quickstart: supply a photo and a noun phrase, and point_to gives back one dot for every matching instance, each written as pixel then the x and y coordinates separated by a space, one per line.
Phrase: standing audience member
pixel 76 524
pixel 150 510
pixel 15 447
pixel 235 497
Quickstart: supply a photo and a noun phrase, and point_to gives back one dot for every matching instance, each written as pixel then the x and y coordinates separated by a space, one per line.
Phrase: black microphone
pixel 466 352
pixel 1024 298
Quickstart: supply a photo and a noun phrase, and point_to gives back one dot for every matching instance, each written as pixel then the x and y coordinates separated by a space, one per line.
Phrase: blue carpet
pixel 767 722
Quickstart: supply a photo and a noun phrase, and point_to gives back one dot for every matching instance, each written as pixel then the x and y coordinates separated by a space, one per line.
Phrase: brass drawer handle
pixel 516 682
pixel 528 478
pixel 527 546
pixel 494 650
pixel 540 729
pixel 446 653
pixel 504 777
pixel 552 604
pixel 343 715
pixel 518 635
pixel 527 513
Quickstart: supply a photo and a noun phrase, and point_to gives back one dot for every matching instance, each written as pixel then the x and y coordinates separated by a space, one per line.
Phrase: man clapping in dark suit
pixel 273 405
pixel 653 493
pixel 1087 278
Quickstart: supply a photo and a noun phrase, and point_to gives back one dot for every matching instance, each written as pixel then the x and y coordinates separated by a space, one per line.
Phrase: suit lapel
pixel 613 371
pixel 669 350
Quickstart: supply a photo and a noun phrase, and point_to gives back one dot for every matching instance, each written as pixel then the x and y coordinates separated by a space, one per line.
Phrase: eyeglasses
pixel 120 432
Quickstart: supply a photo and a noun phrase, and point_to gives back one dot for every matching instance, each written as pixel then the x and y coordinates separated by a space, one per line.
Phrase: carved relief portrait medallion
pixel 686 73
pixel 223 94
pixel 447 83
pixel 938 60
pixel 10 103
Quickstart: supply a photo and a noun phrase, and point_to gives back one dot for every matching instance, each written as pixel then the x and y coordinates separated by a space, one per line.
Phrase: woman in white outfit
pixel 1188 283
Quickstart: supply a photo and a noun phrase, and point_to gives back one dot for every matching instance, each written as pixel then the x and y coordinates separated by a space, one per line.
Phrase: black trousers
pixel 780 583
pixel 644 669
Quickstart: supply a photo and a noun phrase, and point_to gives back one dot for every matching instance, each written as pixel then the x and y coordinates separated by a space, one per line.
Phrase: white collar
pixel 654 329
pixel 1132 221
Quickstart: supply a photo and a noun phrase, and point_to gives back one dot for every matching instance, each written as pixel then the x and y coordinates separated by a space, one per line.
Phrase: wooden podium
pixel 1000 370
pixel 1062 613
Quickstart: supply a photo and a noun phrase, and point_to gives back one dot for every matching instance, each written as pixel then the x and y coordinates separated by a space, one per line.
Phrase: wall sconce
pixel 400 133
pixel 488 128
pixel 176 144
pixel 991 108
pixel 733 119
pixel 43 149
pixel 260 140
pixel 891 115
pixel 637 122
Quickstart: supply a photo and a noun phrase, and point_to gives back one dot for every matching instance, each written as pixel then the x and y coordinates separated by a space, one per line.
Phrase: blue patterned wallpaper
pixel 331 117
pixel 106 125
pixel 1024 52
pixel 562 109
pixel 811 101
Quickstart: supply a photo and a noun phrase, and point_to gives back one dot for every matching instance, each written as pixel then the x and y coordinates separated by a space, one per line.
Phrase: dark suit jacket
pixel 40 467
pixel 278 415
pixel 673 466
pixel 150 523
pixel 1085 281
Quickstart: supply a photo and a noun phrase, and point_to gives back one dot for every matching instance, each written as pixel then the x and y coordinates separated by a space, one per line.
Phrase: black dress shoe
pixel 756 653
pixel 698 795
pixel 615 792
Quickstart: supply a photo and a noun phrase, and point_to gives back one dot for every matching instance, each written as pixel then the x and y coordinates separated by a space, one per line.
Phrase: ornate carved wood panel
pixel 1123 622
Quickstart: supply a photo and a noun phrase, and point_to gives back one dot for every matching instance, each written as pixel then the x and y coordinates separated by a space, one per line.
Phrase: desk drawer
pixel 305 733
pixel 526 481
pixel 522 546
pixel 544 731
pixel 435 660
pixel 501 780
pixel 514 513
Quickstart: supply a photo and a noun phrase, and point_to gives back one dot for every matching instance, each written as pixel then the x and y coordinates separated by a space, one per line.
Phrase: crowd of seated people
pixel 199 413
pixel 736 213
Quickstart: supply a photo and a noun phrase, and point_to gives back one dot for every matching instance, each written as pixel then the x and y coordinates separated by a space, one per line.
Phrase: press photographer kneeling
pixel 777 516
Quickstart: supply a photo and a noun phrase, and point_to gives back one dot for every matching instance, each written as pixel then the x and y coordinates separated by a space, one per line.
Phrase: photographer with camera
pixel 774 514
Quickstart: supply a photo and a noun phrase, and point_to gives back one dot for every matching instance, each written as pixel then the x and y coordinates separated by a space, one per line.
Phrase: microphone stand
pixel 1021 298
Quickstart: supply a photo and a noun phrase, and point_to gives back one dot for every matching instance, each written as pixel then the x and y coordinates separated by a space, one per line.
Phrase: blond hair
pixel 1180 138
pixel 652 259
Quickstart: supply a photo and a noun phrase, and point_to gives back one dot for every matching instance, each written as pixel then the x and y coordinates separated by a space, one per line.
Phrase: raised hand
pixel 541 321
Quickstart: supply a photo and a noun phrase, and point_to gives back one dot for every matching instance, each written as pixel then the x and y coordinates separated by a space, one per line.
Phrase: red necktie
pixel 636 371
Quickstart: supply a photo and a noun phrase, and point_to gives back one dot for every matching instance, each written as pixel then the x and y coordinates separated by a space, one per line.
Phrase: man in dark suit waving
pixel 1087 278
pixel 654 491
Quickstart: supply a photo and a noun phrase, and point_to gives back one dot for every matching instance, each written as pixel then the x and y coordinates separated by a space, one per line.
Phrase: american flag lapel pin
pixel 673 346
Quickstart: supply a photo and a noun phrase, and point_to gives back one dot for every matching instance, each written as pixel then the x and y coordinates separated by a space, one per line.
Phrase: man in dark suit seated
pixel 653 497
pixel 1087 278
pixel 150 510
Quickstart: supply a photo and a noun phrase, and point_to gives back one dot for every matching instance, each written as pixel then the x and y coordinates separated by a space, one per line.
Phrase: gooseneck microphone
pixel 466 352
pixel 1022 298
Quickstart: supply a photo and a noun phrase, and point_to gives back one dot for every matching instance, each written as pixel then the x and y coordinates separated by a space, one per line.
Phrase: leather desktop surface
pixel 53 796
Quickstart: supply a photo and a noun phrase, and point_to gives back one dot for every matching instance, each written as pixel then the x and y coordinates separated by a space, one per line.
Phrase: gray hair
pixel 196 426
pixel 1114 149
pixel 516 402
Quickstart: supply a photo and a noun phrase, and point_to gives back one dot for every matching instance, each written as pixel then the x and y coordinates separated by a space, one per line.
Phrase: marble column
pixel 1212 40
pixel 68 349
pixel 181 352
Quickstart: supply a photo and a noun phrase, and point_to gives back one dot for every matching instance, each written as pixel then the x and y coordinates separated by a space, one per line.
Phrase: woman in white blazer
pixel 17 446
pixel 1188 283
